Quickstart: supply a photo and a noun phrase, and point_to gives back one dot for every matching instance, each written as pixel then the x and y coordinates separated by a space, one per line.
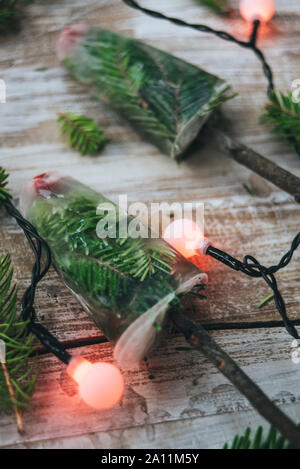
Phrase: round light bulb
pixel 184 235
pixel 262 10
pixel 101 385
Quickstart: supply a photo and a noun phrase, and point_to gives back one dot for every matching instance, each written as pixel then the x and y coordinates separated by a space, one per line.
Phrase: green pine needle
pixel 219 6
pixel 84 135
pixel 4 193
pixel 284 116
pixel 273 440
pixel 19 345
pixel 266 300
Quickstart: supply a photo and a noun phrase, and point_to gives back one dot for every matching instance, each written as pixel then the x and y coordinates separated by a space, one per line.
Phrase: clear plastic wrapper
pixel 126 284
pixel 166 99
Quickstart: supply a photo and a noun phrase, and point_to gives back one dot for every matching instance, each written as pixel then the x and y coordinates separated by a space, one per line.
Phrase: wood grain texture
pixel 184 388
pixel 188 404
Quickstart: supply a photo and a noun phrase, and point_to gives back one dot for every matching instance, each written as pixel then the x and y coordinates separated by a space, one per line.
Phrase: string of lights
pixel 257 13
pixel 251 267
pixel 257 19
pixel 101 385
pixel 39 247
pixel 187 238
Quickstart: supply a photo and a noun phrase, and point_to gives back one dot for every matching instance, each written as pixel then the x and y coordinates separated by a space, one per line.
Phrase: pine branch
pixel 18 378
pixel 127 275
pixel 84 135
pixel 10 14
pixel 284 116
pixel 273 440
pixel 4 193
pixel 166 99
pixel 218 6
pixel 12 395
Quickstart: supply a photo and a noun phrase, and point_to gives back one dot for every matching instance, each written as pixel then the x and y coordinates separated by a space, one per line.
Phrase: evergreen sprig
pixel 219 6
pixel 161 96
pixel 128 275
pixel 4 192
pixel 273 440
pixel 283 114
pixel 18 376
pixel 84 135
pixel 10 14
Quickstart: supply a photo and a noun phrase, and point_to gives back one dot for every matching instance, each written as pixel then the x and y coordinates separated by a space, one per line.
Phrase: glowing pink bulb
pixel 100 385
pixel 184 235
pixel 262 10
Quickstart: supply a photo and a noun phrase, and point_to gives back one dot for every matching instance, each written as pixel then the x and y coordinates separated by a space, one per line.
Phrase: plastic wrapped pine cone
pixel 167 100
pixel 125 284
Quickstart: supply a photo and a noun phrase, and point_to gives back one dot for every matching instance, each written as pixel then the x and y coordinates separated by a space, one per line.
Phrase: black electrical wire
pixel 40 248
pixel 251 267
pixel 251 44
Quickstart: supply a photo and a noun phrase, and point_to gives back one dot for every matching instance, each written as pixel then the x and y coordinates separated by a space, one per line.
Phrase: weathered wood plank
pixel 204 410
pixel 184 389
pixel 194 433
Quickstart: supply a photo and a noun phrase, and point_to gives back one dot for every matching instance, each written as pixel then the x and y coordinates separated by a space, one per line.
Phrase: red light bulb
pixel 184 235
pixel 100 385
pixel 262 10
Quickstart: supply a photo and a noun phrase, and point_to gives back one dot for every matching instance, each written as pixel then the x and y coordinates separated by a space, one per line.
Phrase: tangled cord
pixel 251 44
pixel 251 267
pixel 39 247
pixel 254 269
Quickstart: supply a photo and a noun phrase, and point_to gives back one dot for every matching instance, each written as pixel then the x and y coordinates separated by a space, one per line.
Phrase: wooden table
pixel 187 403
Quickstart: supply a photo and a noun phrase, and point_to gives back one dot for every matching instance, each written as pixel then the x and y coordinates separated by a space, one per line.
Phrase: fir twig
pixel 13 398
pixel 283 114
pixel 266 300
pixel 125 274
pixel 4 193
pixel 84 135
pixel 162 97
pixel 248 189
pixel 11 14
pixel 18 378
pixel 273 440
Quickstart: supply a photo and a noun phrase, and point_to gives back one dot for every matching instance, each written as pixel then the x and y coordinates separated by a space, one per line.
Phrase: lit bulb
pixel 262 10
pixel 100 385
pixel 184 235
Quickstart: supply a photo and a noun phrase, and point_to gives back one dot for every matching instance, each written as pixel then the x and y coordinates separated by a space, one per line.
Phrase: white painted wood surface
pixel 188 403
